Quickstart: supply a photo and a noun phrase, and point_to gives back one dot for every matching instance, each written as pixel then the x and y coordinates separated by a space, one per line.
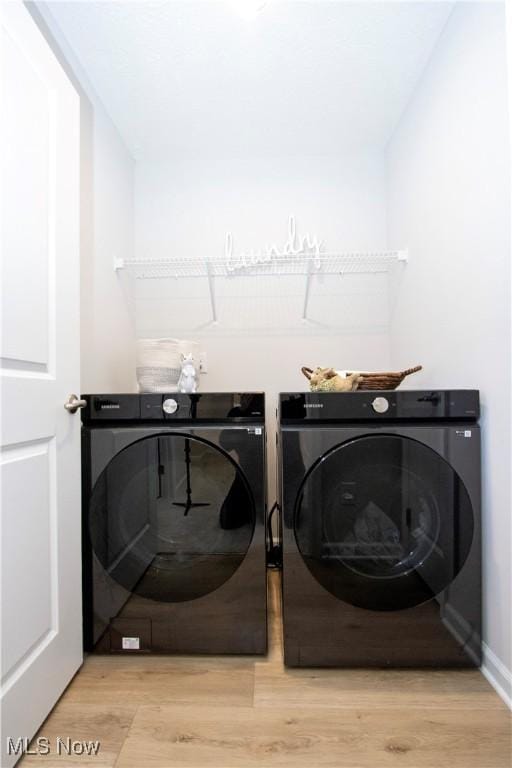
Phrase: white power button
pixel 380 405
pixel 170 405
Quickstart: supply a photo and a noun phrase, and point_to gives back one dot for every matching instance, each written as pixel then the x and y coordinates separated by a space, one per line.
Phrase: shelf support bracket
pixel 212 291
pixel 306 294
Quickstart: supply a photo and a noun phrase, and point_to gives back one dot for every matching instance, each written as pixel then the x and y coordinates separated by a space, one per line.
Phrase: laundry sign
pixel 293 246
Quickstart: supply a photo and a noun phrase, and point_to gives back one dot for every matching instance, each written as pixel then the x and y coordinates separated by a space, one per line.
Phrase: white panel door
pixel 40 440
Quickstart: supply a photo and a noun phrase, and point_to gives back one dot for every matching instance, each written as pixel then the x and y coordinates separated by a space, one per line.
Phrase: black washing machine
pixel 380 497
pixel 174 523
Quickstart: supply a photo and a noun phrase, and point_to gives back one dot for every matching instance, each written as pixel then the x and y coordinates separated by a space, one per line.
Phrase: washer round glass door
pixel 171 518
pixel 383 522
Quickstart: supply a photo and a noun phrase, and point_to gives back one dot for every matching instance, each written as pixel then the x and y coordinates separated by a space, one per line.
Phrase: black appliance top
pixel 176 406
pixel 373 405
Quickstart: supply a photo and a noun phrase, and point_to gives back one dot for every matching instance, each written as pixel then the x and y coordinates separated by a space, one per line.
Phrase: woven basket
pixel 159 363
pixel 386 380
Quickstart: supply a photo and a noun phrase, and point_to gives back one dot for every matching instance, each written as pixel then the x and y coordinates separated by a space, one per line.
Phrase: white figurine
pixel 188 377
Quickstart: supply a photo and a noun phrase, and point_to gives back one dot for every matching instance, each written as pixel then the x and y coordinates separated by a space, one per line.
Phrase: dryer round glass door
pixel 383 522
pixel 171 518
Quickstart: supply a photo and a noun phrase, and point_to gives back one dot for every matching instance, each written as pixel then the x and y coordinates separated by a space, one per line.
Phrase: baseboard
pixel 497 674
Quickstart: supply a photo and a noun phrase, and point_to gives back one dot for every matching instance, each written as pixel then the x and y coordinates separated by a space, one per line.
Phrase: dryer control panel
pixel 367 405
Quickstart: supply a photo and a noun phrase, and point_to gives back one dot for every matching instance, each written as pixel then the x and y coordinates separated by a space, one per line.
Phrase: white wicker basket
pixel 159 363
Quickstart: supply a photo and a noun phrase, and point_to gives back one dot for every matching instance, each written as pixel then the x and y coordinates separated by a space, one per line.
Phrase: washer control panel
pixel 170 405
pixel 380 405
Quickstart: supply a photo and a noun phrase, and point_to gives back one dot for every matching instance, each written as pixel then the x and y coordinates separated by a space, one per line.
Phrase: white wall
pixel 184 207
pixel 185 204
pixel 106 232
pixel 449 199
pixel 108 322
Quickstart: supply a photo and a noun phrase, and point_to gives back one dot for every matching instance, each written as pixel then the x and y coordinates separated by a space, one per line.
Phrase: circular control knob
pixel 170 405
pixel 380 405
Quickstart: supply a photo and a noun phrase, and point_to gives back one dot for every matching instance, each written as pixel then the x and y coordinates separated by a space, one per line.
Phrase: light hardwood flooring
pixel 233 712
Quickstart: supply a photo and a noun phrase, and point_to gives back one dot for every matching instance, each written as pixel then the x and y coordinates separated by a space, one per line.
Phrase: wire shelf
pixel 370 262
pixel 219 274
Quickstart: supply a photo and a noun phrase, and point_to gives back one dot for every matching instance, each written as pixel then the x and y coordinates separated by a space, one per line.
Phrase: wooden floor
pixel 154 712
